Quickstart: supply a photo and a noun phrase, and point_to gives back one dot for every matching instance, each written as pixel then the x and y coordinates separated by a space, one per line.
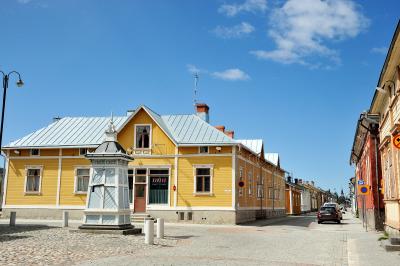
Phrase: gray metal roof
pixel 255 145
pixel 272 157
pixel 69 131
pixel 89 131
pixel 191 129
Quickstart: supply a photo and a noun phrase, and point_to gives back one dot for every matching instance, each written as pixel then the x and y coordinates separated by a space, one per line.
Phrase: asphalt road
pixel 297 240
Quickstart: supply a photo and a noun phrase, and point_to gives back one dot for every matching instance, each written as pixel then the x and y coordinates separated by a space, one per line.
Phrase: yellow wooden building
pixel 184 169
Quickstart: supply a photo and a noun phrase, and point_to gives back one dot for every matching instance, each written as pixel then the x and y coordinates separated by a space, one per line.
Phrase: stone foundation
pixel 194 216
pixel 39 213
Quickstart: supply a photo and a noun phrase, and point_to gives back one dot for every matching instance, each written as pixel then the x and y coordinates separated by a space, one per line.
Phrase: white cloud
pixel 236 31
pixel 194 69
pixel 232 74
pixel 252 6
pixel 300 29
pixel 24 1
pixel 380 50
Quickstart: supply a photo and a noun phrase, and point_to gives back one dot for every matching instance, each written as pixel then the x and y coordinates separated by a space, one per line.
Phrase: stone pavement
pixel 297 240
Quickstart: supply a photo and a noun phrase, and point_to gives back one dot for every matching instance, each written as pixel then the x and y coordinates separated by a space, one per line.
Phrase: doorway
pixel 140 190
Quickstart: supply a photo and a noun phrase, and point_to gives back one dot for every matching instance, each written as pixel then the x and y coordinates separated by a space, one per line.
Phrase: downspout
pixel 376 176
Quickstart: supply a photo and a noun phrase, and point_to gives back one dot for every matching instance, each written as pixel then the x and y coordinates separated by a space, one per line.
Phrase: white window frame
pixel 30 152
pixel 195 167
pixel 86 151
pixel 76 180
pixel 150 137
pixel 250 181
pixel 240 179
pixel 208 149
pixel 27 167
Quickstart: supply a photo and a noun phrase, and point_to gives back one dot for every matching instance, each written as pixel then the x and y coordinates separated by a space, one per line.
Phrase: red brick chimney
pixel 221 128
pixel 230 133
pixel 202 111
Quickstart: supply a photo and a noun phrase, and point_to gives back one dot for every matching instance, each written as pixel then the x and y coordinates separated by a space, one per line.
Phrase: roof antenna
pixel 196 81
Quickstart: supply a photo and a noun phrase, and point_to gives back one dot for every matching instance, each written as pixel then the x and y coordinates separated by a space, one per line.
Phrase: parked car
pixel 334 204
pixel 328 213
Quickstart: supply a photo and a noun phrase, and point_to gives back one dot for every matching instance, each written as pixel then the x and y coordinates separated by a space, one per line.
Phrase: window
pixel 33 180
pixel 250 181
pixel 143 136
pixel 203 180
pixel 277 194
pixel 270 193
pixel 203 149
pixel 159 184
pixel 241 179
pixel 35 152
pixel 82 151
pixel 82 180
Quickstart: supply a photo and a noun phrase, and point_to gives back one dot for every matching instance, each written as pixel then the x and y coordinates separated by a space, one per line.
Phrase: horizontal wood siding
pixel 16 182
pixel 221 182
pixel 67 195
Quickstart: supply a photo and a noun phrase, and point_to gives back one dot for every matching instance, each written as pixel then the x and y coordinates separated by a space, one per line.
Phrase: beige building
pixel 386 103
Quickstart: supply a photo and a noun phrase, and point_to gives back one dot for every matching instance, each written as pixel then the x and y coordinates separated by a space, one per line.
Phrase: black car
pixel 328 213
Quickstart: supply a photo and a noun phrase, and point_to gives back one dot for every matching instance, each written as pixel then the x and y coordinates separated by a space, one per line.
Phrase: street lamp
pixel 19 83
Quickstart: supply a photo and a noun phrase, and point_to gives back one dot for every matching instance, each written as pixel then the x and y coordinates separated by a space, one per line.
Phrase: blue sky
pixel 294 73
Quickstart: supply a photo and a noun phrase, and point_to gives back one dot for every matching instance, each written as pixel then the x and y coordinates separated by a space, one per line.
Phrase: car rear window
pixel 329 209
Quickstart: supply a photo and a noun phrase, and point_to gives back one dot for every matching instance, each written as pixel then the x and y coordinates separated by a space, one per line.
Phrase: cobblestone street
pixel 47 245
pixel 265 242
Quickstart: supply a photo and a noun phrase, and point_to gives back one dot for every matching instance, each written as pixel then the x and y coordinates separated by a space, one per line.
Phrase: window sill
pixel 80 193
pixel 201 194
pixel 33 193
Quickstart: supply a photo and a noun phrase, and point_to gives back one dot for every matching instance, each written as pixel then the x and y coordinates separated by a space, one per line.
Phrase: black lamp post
pixel 6 78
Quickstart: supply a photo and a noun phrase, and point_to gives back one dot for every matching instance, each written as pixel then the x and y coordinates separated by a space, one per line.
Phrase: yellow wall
pixel 16 182
pixel 67 196
pixel 222 182
pixel 161 143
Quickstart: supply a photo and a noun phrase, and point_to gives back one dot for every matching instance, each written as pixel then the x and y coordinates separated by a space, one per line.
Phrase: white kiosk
pixel 107 203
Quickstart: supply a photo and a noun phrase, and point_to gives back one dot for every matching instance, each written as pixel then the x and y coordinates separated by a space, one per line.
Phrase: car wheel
pixel 338 221
pixel 319 222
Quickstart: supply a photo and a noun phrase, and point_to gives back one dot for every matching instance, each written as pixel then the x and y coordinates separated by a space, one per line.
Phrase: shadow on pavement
pixel 7 232
pixel 301 221
pixel 180 237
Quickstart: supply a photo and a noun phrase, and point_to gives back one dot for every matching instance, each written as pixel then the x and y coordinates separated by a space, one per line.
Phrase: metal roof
pixel 89 131
pixel 191 129
pixel 272 157
pixel 69 131
pixel 255 145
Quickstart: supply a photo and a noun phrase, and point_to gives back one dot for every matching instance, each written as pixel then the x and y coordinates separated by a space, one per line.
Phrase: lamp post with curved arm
pixel 6 78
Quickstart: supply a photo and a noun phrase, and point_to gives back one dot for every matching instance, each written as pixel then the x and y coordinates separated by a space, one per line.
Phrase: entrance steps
pixel 140 217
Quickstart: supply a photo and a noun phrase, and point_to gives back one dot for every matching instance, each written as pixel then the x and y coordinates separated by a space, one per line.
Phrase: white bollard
pixel 65 219
pixel 13 217
pixel 160 228
pixel 149 232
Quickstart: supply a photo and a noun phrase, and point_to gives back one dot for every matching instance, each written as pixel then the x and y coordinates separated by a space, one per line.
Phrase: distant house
pixel 184 169
pixel 293 197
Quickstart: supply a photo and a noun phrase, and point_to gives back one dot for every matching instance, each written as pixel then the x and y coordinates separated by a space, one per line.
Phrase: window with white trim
pixel 83 151
pixel 203 149
pixel 277 194
pixel 250 181
pixel 270 193
pixel 33 179
pixel 142 137
pixel 82 180
pixel 35 152
pixel 203 180
pixel 241 180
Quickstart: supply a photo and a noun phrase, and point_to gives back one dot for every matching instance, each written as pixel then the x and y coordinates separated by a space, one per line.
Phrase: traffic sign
pixel 363 189
pixel 241 184
pixel 396 141
pixel 360 182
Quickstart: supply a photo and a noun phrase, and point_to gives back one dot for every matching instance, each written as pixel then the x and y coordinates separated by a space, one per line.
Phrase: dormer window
pixel 203 149
pixel 143 136
pixel 83 151
pixel 35 152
